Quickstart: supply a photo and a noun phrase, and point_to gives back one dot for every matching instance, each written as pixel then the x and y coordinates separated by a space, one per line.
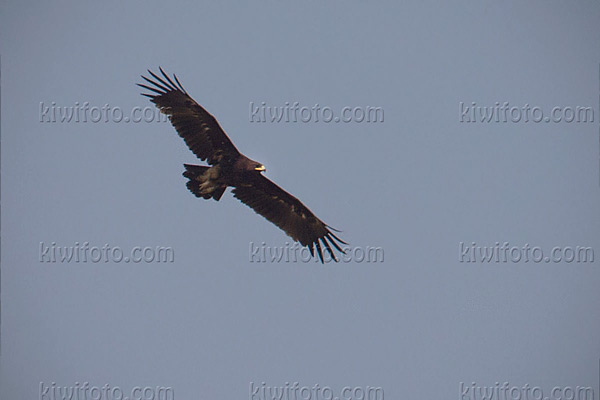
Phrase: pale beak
pixel 261 168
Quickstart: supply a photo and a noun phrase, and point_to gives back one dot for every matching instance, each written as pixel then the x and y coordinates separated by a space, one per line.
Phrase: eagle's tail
pixel 201 181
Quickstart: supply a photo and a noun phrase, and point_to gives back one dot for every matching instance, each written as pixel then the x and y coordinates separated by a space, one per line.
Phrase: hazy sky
pixel 457 170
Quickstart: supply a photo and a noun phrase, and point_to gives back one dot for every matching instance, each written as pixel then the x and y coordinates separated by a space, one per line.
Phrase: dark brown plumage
pixel 205 138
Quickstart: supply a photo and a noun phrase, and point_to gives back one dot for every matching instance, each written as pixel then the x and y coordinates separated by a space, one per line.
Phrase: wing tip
pixel 165 84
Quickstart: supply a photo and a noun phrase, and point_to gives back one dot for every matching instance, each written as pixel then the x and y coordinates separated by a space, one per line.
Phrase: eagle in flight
pixel 228 167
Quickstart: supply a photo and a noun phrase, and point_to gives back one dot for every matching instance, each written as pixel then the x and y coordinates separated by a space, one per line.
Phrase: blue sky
pixel 423 185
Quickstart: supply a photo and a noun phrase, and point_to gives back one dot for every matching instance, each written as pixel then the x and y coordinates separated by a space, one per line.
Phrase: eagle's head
pixel 244 164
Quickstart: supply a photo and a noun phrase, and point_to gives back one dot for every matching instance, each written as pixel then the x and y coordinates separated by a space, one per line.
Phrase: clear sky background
pixel 417 185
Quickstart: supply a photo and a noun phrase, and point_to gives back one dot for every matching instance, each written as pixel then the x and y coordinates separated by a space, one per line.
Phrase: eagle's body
pixel 230 168
pixel 214 180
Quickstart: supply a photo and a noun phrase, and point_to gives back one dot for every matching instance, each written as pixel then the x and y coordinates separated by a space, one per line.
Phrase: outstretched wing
pixel 289 214
pixel 200 130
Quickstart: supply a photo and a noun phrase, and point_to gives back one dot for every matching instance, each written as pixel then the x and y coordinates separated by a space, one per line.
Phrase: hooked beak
pixel 260 169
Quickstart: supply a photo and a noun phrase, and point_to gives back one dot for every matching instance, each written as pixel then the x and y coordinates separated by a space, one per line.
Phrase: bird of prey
pixel 228 167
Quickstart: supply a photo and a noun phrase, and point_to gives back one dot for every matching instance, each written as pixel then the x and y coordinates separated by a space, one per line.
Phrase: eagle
pixel 229 168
